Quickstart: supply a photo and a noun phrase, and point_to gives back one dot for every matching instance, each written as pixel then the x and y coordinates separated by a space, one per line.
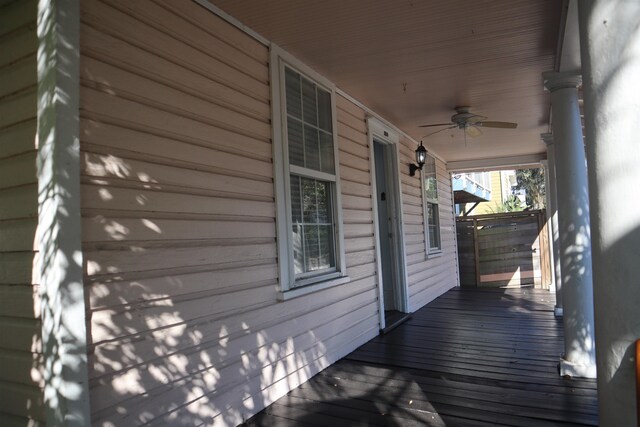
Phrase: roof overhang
pixel 413 62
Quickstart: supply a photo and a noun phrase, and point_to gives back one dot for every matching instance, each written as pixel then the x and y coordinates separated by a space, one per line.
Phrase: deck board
pixel 472 357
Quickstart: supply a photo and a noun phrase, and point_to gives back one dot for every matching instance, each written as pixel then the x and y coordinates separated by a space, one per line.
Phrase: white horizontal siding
pixel 179 233
pixel 429 276
pixel 20 346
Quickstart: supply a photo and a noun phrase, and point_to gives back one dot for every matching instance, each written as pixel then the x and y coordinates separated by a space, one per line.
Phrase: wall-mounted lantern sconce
pixel 421 157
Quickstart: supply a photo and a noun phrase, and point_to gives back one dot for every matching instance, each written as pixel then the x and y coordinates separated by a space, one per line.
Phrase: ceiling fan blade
pixel 500 125
pixel 476 119
pixel 437 124
pixel 472 131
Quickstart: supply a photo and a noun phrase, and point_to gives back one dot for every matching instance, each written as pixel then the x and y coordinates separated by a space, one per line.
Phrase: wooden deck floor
pixel 470 358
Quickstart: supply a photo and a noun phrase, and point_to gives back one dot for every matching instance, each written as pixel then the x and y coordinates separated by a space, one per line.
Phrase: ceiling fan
pixel 471 122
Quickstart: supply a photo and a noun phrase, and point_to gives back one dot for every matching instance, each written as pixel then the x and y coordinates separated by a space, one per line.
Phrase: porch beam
pixel 552 221
pixel 610 51
pixel 497 163
pixel 573 225
pixel 60 264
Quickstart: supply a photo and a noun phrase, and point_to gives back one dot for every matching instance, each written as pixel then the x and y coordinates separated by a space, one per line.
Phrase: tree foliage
pixel 512 204
pixel 532 182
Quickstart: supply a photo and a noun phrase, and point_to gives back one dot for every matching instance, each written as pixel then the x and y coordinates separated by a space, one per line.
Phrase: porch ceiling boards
pixel 413 61
pixel 470 358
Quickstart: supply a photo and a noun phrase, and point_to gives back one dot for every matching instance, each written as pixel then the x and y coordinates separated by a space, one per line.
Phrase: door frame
pixel 383 134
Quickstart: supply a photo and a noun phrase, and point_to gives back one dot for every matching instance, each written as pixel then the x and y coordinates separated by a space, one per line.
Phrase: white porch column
pixel 610 50
pixel 573 226
pixel 552 215
pixel 62 298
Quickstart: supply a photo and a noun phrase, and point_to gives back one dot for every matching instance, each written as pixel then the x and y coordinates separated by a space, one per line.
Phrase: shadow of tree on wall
pixel 179 229
pixel 621 329
pixel 575 257
pixel 611 146
pixel 183 323
pixel 21 373
pixel 59 266
pixel 168 342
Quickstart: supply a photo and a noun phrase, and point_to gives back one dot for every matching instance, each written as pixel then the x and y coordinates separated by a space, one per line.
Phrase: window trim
pixel 437 251
pixel 279 58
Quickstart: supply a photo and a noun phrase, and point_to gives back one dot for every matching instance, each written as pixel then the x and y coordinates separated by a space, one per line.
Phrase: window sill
pixel 305 290
pixel 434 254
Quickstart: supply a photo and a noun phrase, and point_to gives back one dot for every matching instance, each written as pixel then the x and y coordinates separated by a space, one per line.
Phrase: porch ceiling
pixel 412 61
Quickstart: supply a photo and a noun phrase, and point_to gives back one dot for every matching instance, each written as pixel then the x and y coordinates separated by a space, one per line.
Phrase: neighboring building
pixel 503 185
pixel 470 190
pixel 483 193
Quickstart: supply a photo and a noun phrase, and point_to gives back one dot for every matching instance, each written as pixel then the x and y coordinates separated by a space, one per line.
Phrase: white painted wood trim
pixel 455 230
pixel 497 163
pixel 430 253
pixel 380 131
pixel 399 223
pixel 306 290
pixel 312 173
pixel 286 58
pixel 60 265
pixel 384 122
pixel 342 266
pixel 371 125
pixel 233 21
pixel 283 240
pixel 425 222
pixel 278 59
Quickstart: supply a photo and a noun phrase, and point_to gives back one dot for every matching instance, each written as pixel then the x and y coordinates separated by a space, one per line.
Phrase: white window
pixel 432 212
pixel 305 141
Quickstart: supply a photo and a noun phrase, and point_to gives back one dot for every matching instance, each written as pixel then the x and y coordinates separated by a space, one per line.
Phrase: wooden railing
pixel 505 249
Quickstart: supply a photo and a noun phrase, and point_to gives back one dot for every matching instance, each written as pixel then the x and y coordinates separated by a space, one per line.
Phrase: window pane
pixel 324 110
pixel 431 213
pixel 309 102
pixel 326 153
pixel 311 148
pixel 298 252
pixel 434 226
pixel 430 165
pixel 311 248
pixel 313 236
pixel 430 180
pixel 293 93
pixel 323 202
pixel 296 200
pixel 326 246
pixel 431 188
pixel 296 147
pixel 309 197
pixel 432 237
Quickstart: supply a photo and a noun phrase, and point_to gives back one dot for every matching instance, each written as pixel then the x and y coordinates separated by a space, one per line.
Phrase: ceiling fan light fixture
pixel 471 123
pixel 472 130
